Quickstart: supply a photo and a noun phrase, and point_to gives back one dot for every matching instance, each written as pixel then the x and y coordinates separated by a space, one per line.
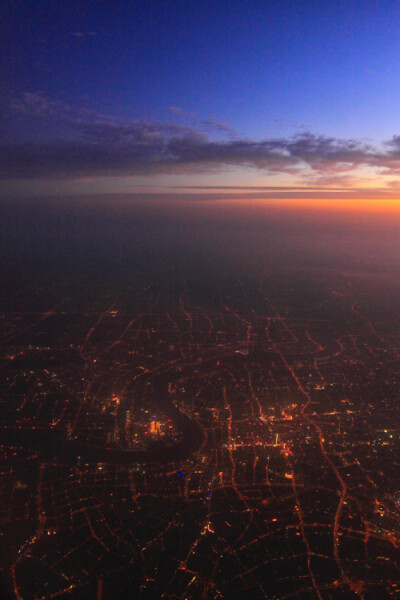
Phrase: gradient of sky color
pixel 133 96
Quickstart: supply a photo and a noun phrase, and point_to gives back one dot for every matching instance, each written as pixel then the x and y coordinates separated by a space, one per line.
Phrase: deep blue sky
pixel 237 73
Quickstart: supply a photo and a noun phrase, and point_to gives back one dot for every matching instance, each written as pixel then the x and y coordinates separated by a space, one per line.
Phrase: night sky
pixel 253 98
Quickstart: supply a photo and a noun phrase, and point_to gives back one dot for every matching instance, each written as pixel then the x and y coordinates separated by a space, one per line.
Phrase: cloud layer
pixel 89 143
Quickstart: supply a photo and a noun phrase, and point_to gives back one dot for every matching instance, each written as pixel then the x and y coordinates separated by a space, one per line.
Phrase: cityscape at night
pixel 199 309
pixel 175 428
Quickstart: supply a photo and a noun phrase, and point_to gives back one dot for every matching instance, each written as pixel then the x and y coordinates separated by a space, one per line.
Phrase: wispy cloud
pixel 35 104
pixel 178 111
pixel 83 34
pixel 98 144
pixel 214 125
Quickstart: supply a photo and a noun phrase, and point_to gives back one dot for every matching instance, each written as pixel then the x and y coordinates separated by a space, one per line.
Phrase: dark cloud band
pixel 98 144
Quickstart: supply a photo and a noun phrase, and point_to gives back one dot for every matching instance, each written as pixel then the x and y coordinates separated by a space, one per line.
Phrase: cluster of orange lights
pixel 155 427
